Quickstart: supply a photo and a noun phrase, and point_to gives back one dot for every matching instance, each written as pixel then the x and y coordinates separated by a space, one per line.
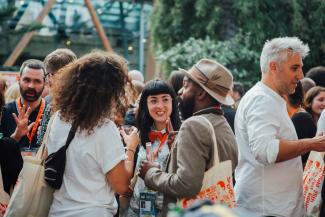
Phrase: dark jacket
pixel 8 124
pixel 11 162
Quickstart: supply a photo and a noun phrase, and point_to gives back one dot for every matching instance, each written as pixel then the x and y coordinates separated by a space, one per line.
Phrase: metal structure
pixel 122 22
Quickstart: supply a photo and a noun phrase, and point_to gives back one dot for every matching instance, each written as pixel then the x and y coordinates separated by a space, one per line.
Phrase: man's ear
pixel 17 77
pixel 273 66
pixel 201 94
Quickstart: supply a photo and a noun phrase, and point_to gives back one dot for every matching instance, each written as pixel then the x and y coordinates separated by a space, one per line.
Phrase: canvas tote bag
pixel 313 179
pixel 4 197
pixel 32 197
pixel 217 182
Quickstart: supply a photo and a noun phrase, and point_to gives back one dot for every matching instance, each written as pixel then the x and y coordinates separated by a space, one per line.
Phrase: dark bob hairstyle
pixel 143 119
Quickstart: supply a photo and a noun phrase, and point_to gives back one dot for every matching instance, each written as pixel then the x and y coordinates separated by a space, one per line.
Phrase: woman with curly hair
pixel 88 94
pixel 157 116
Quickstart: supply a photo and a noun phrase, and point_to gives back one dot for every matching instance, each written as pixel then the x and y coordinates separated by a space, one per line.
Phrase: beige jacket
pixel 192 155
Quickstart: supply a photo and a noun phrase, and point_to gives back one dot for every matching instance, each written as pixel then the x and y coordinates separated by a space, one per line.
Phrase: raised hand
pixel 22 123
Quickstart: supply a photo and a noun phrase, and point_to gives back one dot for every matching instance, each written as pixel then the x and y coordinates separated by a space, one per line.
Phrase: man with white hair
pixel 269 172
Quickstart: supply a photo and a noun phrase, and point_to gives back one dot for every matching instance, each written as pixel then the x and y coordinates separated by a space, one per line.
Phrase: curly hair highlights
pixel 91 90
pixel 143 119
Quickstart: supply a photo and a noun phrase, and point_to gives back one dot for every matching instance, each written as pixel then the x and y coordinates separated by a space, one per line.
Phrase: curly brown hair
pixel 91 90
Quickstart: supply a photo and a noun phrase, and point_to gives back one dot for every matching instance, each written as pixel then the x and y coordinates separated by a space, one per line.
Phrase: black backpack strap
pixel 71 135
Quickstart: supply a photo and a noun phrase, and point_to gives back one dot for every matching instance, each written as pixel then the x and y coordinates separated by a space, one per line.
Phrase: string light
pixel 130 48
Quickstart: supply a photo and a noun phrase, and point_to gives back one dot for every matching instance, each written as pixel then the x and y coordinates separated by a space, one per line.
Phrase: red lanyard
pixel 30 135
pixel 162 139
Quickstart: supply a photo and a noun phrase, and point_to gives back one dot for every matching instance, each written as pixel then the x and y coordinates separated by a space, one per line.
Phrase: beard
pixel 186 107
pixel 30 94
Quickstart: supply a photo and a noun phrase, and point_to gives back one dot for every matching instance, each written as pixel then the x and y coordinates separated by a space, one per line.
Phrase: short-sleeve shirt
pixel 85 190
pixel 263 186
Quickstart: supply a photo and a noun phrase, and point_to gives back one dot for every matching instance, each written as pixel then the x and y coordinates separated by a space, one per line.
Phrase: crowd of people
pixel 150 141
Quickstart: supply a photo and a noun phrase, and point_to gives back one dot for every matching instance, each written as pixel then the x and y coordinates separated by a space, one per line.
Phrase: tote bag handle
pixel 215 147
pixel 42 152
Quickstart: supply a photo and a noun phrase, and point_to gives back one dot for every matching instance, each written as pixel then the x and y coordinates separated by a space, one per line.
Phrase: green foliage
pixel 6 12
pixel 174 21
pixel 273 18
pixel 237 31
pixel 231 53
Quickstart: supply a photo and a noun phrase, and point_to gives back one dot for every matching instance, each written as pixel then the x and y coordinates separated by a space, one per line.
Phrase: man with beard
pixel 206 86
pixel 31 83
pixel 269 174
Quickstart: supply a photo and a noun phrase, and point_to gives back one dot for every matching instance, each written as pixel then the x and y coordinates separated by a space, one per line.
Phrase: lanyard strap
pixel 160 146
pixel 30 135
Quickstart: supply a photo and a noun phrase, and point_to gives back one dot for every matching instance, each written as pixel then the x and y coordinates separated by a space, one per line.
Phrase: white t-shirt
pixel 85 191
pixel 321 123
pixel 262 186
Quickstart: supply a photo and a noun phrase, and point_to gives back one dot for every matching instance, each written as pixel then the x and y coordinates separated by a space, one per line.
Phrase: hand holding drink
pixel 149 151
pixel 130 137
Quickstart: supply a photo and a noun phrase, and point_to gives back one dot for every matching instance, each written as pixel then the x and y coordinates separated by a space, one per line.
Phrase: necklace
pixel 30 135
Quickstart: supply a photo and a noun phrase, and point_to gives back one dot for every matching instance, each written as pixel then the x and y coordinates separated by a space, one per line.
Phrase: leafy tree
pixel 231 53
pixel 244 24
pixel 273 18
pixel 175 21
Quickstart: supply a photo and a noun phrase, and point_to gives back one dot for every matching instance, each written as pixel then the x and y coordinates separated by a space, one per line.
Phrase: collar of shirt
pixel 213 109
pixel 274 94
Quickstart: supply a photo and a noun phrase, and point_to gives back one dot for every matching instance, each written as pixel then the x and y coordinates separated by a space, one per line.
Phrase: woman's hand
pixel 22 123
pixel 132 140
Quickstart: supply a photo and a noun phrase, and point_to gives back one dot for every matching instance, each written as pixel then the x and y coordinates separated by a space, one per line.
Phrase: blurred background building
pixel 69 24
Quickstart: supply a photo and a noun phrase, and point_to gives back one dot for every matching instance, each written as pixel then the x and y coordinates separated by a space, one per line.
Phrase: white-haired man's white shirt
pixel 321 123
pixel 263 186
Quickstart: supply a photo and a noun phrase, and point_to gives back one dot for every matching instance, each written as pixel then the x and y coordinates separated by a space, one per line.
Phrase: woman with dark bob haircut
pixel 157 116
pixel 87 94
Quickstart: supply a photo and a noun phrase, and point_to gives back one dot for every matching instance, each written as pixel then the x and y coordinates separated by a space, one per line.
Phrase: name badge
pixel 28 151
pixel 148 204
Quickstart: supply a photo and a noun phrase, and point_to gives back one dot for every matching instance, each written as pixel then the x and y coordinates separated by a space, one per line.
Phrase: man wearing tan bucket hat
pixel 205 87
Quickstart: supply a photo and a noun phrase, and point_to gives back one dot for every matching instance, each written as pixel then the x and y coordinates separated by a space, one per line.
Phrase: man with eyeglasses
pixel 53 63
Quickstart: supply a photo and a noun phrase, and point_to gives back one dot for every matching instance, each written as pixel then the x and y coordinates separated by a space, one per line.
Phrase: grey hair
pixel 274 50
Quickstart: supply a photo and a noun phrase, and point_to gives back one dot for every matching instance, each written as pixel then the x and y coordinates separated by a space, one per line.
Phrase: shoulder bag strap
pixel 71 135
pixel 216 153
pixel 42 152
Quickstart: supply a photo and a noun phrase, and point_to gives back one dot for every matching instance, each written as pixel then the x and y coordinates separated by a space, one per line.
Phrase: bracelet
pixel 131 150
